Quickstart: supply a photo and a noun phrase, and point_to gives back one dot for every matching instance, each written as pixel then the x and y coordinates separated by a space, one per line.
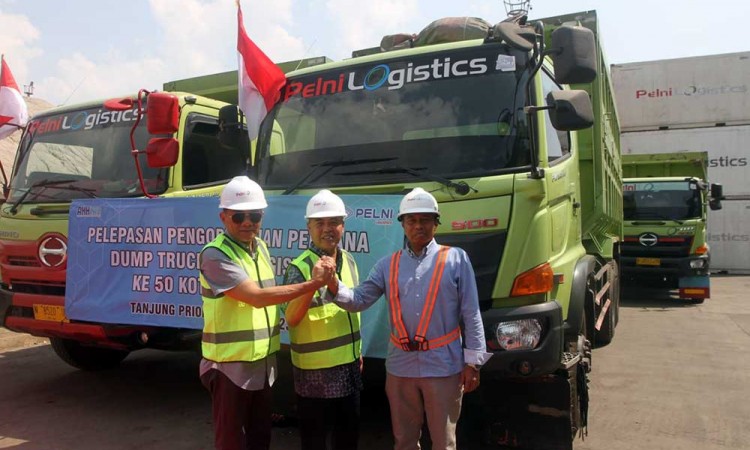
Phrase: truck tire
pixel 607 332
pixel 87 358
pixel 589 313
pixel 583 344
pixel 578 380
pixel 617 292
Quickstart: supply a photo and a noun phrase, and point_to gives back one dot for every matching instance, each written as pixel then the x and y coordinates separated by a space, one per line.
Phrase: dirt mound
pixel 9 144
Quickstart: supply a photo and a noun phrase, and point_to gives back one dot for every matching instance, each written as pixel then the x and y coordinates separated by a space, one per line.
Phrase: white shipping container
pixel 728 151
pixel 729 237
pixel 729 164
pixel 683 93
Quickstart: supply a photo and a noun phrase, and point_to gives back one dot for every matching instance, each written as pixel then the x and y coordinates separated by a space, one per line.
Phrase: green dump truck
pixel 515 133
pixel 666 198
pixel 84 151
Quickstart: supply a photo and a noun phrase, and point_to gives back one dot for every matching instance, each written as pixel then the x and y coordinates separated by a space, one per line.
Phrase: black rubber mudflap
pixel 521 414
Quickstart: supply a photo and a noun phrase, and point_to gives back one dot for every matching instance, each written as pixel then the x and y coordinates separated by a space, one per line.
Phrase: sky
pixel 80 50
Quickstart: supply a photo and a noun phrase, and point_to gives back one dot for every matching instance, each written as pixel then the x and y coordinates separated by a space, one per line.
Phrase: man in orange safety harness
pixel 432 298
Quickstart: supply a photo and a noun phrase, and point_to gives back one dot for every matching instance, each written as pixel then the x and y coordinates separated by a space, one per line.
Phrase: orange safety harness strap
pixel 427 345
pixel 394 299
pixel 401 338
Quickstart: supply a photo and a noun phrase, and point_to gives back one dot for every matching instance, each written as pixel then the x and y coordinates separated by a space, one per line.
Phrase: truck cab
pixel 84 151
pixel 666 199
pixel 514 132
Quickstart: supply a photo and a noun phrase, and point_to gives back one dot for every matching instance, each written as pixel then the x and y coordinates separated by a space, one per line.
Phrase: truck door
pixel 560 187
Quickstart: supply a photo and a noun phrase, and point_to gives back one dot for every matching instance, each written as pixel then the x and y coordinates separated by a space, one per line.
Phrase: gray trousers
pixel 412 399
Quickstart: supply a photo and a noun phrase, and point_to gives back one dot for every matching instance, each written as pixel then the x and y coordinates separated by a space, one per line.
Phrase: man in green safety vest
pixel 325 339
pixel 241 319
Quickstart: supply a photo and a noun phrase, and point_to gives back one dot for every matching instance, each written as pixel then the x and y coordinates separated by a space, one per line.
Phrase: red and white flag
pixel 260 80
pixel 13 110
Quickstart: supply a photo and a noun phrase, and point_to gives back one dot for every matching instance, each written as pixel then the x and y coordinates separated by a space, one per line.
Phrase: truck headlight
pixel 697 263
pixel 521 334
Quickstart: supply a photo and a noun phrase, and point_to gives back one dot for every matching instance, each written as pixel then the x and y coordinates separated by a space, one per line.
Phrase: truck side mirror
pixel 574 54
pixel 230 127
pixel 570 110
pixel 522 38
pixel 162 152
pixel 162 113
pixel 717 195
pixel 119 104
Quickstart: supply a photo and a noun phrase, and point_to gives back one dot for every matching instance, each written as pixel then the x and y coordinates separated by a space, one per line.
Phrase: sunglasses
pixel 254 217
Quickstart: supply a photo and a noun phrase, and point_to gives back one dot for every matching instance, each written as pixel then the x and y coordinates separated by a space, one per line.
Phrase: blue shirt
pixel 456 303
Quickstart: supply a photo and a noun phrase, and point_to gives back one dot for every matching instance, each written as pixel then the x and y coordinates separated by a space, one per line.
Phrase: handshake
pixel 324 271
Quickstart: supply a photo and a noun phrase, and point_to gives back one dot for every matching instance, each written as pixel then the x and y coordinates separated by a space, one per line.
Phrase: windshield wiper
pixel 461 188
pixel 329 165
pixel 45 183
pixel 658 216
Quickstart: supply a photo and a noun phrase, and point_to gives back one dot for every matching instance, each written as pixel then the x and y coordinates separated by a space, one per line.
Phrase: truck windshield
pixel 673 200
pixel 81 154
pixel 447 114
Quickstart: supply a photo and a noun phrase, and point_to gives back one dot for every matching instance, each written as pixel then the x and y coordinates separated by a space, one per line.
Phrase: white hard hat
pixel 325 204
pixel 418 201
pixel 242 194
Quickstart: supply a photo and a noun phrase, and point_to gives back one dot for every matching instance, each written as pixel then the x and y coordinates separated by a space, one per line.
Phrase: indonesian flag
pixel 260 80
pixel 13 111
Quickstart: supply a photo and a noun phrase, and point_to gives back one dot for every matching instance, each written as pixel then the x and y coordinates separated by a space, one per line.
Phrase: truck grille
pixel 23 272
pixel 25 261
pixel 41 287
pixel 665 247
pixel 485 252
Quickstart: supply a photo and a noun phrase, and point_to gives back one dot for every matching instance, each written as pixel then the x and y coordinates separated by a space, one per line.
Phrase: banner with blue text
pixel 135 261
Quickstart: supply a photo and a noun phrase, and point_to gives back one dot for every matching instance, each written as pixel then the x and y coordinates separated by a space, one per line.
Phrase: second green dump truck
pixel 666 198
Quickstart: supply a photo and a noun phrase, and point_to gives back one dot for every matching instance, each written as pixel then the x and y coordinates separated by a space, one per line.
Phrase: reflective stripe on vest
pixel 234 330
pixel 401 338
pixel 327 336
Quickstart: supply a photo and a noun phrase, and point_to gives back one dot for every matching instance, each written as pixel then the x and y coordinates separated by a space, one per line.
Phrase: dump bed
pixel 683 164
pixel 598 146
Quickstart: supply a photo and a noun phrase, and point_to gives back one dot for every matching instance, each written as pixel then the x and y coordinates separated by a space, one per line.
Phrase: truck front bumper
pixel 690 266
pixel 17 314
pixel 544 359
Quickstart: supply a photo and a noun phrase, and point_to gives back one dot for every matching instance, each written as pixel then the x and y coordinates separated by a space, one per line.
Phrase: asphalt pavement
pixel 677 376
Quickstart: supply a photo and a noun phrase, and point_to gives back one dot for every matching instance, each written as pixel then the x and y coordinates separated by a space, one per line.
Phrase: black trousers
pixel 242 418
pixel 324 417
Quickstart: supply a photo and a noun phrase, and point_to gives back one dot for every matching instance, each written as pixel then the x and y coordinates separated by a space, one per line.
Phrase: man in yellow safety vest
pixel 241 319
pixel 325 339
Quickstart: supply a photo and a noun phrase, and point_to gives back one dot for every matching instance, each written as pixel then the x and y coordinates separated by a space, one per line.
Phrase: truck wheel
pixel 581 344
pixel 87 358
pixel 579 391
pixel 605 335
pixel 617 292
pixel 607 332
pixel 697 301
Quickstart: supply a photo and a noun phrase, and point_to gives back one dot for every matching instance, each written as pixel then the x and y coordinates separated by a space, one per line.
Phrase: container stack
pixel 696 104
